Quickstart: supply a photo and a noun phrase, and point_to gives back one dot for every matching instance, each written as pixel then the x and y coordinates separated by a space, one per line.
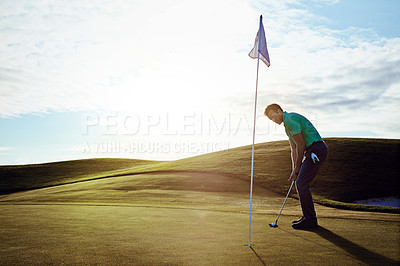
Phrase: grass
pixel 356 169
pixel 18 178
pixel 125 235
pixel 195 211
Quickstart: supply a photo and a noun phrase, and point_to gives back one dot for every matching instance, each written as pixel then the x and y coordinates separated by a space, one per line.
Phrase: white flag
pixel 261 44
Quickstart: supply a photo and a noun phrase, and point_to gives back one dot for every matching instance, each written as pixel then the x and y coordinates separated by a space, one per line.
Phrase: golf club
pixel 276 222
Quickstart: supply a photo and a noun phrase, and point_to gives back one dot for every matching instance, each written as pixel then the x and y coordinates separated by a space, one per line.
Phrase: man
pixel 308 152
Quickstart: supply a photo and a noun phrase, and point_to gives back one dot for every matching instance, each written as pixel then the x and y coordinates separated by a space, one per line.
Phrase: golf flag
pixel 260 45
pixel 259 51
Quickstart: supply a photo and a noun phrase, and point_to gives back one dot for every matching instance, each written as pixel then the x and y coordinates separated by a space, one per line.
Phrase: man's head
pixel 275 113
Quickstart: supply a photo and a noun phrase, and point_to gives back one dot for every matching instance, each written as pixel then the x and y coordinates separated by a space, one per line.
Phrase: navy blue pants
pixel 308 171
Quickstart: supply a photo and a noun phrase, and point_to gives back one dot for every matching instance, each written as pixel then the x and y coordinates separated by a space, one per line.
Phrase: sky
pixel 169 79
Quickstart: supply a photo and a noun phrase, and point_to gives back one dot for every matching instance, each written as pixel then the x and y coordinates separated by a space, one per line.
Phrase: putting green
pixel 115 235
pixel 183 218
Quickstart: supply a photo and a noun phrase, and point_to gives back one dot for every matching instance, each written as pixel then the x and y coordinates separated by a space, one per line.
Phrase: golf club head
pixel 273 225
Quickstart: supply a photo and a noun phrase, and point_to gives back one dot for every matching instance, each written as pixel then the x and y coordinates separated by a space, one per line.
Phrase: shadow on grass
pixel 353 250
pixel 360 253
pixel 258 256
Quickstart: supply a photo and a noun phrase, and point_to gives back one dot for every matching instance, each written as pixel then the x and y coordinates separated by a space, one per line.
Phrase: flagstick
pixel 252 152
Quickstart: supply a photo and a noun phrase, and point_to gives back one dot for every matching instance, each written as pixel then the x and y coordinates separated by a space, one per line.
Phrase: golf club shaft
pixel 284 202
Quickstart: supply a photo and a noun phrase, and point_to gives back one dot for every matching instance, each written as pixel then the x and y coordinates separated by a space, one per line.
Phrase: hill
pixel 356 169
pixel 15 178
pixel 195 211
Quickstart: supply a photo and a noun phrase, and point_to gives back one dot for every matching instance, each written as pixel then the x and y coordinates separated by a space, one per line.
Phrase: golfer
pixel 308 152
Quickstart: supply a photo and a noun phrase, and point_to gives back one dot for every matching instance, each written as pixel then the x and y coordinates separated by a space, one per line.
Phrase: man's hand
pixel 293 176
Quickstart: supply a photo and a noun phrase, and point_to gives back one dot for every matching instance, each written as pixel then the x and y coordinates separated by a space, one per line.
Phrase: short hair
pixel 272 107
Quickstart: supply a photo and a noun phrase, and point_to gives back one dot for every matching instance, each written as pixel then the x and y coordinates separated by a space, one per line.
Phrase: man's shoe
pixel 298 221
pixel 306 224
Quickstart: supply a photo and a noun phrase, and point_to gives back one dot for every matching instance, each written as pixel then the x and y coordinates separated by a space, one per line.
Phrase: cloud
pixel 188 55
pixel 120 54
pixel 350 77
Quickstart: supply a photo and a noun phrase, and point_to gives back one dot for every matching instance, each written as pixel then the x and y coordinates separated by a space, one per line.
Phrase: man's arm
pixel 293 154
pixel 298 154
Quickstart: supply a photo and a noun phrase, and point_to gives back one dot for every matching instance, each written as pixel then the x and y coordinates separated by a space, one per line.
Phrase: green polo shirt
pixel 295 123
